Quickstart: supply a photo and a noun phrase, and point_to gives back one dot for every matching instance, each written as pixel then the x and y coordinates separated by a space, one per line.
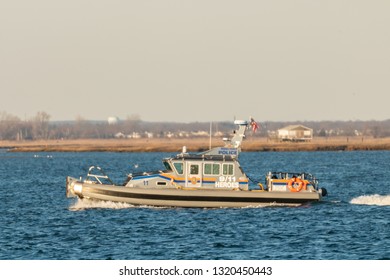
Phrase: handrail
pixel 97 176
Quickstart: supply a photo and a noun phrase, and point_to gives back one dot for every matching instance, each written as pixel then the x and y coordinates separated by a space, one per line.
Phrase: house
pixel 295 133
pixel 113 120
pixel 119 135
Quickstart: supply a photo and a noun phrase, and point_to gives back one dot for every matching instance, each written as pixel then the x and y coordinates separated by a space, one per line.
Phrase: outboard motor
pixel 323 192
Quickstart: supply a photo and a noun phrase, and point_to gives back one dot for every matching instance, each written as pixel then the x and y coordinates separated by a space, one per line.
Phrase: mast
pixel 232 146
pixel 239 135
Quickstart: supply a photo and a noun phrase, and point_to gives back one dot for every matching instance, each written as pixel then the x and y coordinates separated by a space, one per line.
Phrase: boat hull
pixel 181 197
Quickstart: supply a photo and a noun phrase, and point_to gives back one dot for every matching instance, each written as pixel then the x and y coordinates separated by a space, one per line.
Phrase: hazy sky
pixel 200 60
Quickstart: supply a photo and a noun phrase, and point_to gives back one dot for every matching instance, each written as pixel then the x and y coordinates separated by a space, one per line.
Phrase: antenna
pixel 210 135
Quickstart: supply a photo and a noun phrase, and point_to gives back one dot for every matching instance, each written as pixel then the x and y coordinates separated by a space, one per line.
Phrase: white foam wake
pixel 82 204
pixel 375 199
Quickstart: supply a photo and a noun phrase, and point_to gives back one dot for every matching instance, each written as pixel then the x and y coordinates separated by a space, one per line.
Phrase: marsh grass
pixel 194 145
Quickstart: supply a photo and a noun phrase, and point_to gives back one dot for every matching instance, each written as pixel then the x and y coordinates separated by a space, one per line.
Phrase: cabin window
pixel 160 183
pixel 167 166
pixel 194 169
pixel 179 167
pixel 211 169
pixel 227 169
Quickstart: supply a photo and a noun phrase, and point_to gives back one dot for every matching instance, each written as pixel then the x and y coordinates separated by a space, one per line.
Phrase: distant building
pixel 113 120
pixel 295 133
pixel 134 135
pixel 149 134
pixel 120 135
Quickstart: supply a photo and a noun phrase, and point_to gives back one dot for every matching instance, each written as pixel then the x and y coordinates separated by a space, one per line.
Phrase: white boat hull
pixel 173 197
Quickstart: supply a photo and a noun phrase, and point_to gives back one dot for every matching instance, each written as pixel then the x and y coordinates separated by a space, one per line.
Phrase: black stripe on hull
pixel 232 199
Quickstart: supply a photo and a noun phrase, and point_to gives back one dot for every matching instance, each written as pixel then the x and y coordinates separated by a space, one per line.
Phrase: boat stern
pixel 323 192
pixel 299 183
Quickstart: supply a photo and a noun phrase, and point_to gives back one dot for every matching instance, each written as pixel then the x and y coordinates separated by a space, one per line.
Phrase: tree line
pixel 40 127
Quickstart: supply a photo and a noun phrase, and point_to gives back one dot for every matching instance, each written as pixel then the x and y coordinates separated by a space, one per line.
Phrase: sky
pixel 200 60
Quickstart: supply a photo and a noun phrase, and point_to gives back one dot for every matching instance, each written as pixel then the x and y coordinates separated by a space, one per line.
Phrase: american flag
pixel 254 125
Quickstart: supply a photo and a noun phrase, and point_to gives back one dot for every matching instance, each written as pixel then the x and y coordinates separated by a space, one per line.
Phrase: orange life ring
pixel 194 180
pixel 296 185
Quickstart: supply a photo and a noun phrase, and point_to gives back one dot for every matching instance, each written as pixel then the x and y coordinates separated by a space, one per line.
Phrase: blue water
pixel 39 222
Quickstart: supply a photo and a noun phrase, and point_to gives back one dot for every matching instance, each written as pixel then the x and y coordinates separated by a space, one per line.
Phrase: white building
pixel 113 120
pixel 295 133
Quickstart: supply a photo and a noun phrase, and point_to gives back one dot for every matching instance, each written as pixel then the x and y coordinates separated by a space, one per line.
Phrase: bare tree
pixel 40 125
pixel 10 127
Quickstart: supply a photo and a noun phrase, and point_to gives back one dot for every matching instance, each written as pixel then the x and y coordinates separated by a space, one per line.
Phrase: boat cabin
pixel 206 171
pixel 194 171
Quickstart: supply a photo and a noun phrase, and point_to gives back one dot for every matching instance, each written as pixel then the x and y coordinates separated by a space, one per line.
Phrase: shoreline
pixel 251 144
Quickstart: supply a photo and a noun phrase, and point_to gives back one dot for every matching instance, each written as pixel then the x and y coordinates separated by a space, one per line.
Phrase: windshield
pixel 167 166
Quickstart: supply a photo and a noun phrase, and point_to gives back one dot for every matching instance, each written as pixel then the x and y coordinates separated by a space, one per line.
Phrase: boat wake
pixel 375 199
pixel 82 204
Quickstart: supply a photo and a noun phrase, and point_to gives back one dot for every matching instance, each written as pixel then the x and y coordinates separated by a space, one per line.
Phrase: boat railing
pixel 138 174
pixel 98 178
pixel 288 175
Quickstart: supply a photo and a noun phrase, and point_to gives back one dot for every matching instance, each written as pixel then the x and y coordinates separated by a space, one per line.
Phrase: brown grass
pixel 194 144
pixel 321 144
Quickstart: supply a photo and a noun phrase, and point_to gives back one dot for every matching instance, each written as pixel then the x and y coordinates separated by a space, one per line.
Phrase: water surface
pixel 39 222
